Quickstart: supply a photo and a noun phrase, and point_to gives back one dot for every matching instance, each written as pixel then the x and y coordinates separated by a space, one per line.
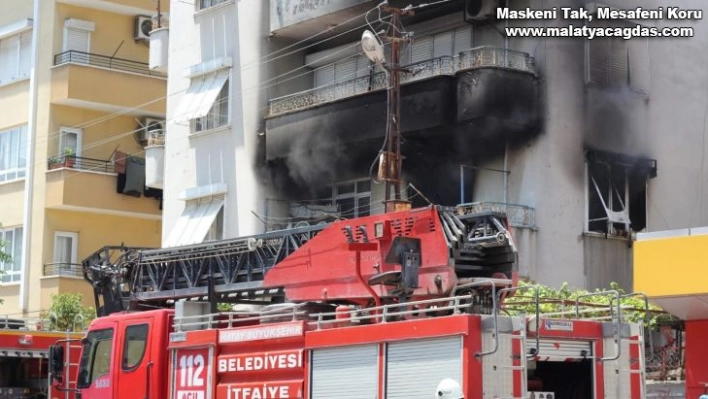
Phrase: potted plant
pixel 56 162
pixel 69 157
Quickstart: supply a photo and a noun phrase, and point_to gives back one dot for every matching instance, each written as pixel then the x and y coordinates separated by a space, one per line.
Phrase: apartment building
pixel 278 118
pixel 75 88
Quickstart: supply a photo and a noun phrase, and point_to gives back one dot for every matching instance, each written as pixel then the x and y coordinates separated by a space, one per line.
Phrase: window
pixel 65 245
pixel 134 346
pixel 95 357
pixel 449 43
pixel 15 57
pixel 216 231
pixel 218 114
pixel 201 220
pixel 616 62
pixel 343 70
pixel 11 238
pixel 77 40
pixel 353 199
pixel 69 141
pixel 13 153
pixel 205 105
pixel 202 4
pixel 617 192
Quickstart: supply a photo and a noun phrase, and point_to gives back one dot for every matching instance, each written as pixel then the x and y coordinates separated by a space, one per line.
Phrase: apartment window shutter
pixel 463 39
pixel 25 54
pixel 77 40
pixel 345 70
pixel 442 44
pixel 598 61
pixel 363 66
pixel 639 76
pixel 618 65
pixel 422 50
pixel 324 76
pixel 8 58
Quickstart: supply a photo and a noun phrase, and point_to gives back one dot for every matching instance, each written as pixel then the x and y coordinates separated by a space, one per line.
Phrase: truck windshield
pixel 95 356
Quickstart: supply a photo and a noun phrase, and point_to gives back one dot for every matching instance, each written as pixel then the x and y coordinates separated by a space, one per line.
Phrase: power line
pixel 49 137
pixel 242 69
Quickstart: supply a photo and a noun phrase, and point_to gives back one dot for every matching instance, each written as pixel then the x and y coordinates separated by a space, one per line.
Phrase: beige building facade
pixel 76 91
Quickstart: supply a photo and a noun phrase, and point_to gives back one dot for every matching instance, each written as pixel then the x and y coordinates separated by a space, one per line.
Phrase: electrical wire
pixel 243 68
pixel 262 86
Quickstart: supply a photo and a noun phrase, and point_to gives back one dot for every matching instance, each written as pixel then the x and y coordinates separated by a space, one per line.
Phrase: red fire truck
pixel 386 306
pixel 24 365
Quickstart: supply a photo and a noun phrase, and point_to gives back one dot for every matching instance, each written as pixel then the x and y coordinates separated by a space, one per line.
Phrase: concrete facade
pixel 547 171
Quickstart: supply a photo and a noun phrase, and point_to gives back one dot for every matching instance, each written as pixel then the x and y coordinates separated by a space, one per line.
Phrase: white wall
pixel 225 155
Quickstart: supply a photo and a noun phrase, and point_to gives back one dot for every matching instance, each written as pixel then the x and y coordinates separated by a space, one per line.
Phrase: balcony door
pixel 65 252
pixel 69 142
pixel 77 41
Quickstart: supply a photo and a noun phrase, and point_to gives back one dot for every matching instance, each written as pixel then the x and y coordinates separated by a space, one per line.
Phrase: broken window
pixel 617 192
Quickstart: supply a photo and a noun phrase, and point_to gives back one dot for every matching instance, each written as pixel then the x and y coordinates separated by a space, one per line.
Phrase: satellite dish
pixel 372 47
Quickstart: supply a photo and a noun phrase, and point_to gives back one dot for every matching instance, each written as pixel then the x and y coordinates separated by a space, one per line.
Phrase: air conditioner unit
pixel 480 10
pixel 143 27
pixel 150 129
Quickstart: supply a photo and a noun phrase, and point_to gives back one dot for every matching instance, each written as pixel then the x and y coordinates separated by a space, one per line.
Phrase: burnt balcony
pixel 485 93
pixel 123 83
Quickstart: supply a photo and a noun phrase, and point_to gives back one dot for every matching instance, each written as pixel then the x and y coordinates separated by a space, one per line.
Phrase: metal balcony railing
pixel 518 215
pixel 63 269
pixel 74 162
pixel 120 64
pixel 478 57
pixel 495 57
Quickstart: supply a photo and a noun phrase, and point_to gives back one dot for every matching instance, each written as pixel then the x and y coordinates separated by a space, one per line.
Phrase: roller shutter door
pixel 345 70
pixel 345 372
pixel 414 368
pixel 553 350
pixel 442 44
pixel 324 76
pixel 422 50
pixel 463 39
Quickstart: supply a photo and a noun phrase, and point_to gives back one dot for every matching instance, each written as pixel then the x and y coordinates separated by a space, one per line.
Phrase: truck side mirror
pixel 56 362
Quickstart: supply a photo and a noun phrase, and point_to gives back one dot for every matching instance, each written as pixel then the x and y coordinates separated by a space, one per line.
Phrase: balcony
pixel 62 270
pixel 123 84
pixel 518 215
pixel 90 185
pixel 481 94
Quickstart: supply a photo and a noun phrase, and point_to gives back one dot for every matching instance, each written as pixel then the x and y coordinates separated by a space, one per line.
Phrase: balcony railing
pixel 63 269
pixel 79 57
pixel 479 57
pixel 518 215
pixel 74 162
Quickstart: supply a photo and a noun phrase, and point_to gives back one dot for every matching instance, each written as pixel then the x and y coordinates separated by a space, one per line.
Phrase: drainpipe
pixel 29 174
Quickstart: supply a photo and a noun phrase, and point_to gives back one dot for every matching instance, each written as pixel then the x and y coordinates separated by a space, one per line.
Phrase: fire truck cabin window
pixel 96 356
pixel 134 346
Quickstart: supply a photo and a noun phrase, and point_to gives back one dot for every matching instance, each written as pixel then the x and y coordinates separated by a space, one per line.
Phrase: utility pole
pixel 391 161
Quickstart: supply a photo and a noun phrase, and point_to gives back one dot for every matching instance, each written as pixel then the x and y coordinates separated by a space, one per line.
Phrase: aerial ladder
pixel 397 257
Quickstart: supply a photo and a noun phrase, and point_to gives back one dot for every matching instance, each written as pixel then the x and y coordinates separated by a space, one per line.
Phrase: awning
pixel 200 96
pixel 194 223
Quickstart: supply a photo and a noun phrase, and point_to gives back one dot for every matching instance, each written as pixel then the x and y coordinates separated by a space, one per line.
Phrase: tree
pixel 68 313
pixel 564 300
pixel 4 257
